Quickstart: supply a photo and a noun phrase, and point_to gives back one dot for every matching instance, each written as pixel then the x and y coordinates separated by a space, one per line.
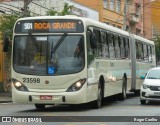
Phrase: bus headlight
pixel 76 86
pixel 19 86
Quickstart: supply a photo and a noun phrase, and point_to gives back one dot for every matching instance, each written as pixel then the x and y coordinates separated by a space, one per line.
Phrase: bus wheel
pixel 40 106
pixel 98 102
pixel 123 94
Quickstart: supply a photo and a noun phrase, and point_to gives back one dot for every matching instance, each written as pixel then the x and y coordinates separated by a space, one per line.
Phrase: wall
pixel 147 19
pixel 156 17
pixel 105 15
pixel 83 11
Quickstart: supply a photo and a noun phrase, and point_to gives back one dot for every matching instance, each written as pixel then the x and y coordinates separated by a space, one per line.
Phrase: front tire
pixel 143 102
pixel 97 104
pixel 40 106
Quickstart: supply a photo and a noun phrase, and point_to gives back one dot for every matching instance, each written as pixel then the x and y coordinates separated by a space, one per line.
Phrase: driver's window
pixel 98 41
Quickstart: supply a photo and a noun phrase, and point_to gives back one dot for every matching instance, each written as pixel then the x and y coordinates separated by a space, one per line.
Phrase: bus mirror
pixel 5 44
pixel 93 41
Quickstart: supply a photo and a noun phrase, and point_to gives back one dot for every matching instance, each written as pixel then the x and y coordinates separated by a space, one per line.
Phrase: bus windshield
pixel 48 55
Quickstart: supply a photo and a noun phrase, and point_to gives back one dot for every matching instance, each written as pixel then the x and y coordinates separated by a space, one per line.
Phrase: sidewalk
pixel 5 97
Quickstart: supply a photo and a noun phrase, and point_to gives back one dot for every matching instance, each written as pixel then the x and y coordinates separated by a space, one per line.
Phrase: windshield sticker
pixel 41 38
pixel 51 70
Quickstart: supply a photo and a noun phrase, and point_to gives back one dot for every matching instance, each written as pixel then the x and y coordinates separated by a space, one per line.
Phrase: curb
pixel 5 101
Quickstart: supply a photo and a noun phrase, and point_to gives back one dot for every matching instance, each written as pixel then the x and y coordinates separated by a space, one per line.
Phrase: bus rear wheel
pixel 124 87
pixel 40 106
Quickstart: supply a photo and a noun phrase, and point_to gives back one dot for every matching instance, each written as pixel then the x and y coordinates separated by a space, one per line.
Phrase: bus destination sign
pixel 49 26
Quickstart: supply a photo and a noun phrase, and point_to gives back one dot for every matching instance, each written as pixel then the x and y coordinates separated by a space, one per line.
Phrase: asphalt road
pixel 113 112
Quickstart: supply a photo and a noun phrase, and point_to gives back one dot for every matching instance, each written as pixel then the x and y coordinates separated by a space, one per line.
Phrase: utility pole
pixel 25 7
pixel 124 18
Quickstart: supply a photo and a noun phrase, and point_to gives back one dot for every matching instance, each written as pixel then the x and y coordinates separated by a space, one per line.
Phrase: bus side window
pixel 150 53
pixel 88 38
pixel 99 45
pixel 141 51
pixel 145 47
pixel 111 46
pixel 104 40
pixel 90 51
pixel 127 48
pixel 122 48
pixel 137 51
pixel 117 47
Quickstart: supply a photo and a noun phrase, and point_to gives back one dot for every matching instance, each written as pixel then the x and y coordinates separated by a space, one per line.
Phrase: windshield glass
pixel 48 55
pixel 154 74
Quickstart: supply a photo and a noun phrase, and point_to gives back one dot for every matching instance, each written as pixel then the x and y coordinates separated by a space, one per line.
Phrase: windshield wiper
pixel 59 42
pixel 34 42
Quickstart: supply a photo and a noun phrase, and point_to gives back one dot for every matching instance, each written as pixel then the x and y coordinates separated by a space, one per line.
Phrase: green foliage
pixel 157 44
pixel 7 23
pixel 66 10
pixel 52 12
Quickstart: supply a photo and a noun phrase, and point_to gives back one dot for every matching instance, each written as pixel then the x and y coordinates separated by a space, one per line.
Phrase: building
pixel 147 19
pixel 155 6
pixel 110 11
pixel 134 15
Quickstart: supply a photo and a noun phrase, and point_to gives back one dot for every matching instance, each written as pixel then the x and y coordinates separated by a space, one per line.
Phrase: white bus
pixel 75 60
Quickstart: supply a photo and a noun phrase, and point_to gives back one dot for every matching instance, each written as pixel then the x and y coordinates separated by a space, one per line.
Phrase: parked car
pixel 150 90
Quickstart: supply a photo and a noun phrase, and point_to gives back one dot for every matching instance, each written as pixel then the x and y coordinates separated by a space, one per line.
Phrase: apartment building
pixel 147 19
pixel 134 15
pixel 155 6
pixel 110 11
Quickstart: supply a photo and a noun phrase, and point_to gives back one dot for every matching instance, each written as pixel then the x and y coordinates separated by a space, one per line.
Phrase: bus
pixel 75 60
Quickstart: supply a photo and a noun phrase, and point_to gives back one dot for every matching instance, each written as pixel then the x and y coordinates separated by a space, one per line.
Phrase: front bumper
pixel 77 97
pixel 147 94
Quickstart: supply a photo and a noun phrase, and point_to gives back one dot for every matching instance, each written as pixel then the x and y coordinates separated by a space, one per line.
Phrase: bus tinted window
pixel 99 44
pixel 111 46
pixel 117 46
pixel 146 57
pixel 127 48
pixel 150 53
pixel 105 47
pixel 122 47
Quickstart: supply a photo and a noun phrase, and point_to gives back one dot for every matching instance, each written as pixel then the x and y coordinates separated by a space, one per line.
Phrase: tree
pixel 157 44
pixel 6 28
pixel 7 23
pixel 66 10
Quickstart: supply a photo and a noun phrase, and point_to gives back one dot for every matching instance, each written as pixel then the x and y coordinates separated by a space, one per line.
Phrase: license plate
pixel 156 93
pixel 45 97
